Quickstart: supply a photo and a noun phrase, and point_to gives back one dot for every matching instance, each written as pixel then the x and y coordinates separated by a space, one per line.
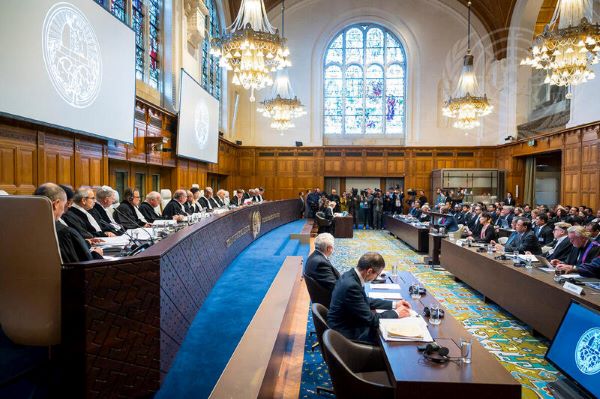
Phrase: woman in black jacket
pixel 487 232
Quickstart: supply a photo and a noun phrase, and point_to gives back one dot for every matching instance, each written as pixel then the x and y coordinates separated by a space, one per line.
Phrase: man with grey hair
pixel 147 208
pixel 174 209
pixel 584 250
pixel 318 267
pixel 72 246
pixel 79 217
pixel 207 201
pixel 103 209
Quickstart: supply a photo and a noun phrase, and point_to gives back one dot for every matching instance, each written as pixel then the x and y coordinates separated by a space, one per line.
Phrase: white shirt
pixel 139 214
pixel 90 218
pixel 63 222
pixel 208 202
pixel 110 212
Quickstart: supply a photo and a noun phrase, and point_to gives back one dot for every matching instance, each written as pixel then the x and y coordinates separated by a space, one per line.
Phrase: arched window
pixel 364 83
pixel 211 73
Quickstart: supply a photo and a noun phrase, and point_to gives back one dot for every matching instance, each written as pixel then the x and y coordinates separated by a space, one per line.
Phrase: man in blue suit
pixel 447 221
pixel 350 312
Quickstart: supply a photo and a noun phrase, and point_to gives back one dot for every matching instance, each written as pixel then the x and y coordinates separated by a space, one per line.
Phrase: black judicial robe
pixel 99 213
pixel 173 208
pixel 73 248
pixel 74 218
pixel 126 216
pixel 149 213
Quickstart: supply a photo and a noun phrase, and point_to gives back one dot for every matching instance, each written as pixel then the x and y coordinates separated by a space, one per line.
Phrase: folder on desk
pixel 407 329
pixel 385 295
pixel 385 286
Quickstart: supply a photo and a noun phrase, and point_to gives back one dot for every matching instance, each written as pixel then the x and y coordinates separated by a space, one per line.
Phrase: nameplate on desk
pixel 575 289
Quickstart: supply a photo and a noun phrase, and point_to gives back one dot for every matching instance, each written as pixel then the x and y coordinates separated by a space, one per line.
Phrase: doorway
pixel 548 178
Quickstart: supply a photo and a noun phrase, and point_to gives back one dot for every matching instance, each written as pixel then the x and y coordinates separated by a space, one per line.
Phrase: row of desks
pixel 530 295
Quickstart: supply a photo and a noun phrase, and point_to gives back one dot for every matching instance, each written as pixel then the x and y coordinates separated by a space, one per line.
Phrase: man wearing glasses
pixel 127 213
pixel 79 217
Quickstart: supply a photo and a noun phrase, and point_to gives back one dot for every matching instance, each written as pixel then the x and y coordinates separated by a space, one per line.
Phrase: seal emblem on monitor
pixel 72 55
pixel 255 223
pixel 587 352
pixel 201 123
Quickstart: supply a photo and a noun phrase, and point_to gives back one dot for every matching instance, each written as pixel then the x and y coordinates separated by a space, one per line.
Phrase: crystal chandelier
pixel 252 49
pixel 466 107
pixel 568 46
pixel 283 106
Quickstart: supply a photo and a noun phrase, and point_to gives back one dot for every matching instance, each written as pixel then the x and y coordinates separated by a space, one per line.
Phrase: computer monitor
pixel 575 349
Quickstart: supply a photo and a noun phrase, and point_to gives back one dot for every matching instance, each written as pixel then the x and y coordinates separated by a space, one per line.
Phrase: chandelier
pixel 568 46
pixel 465 106
pixel 283 106
pixel 252 49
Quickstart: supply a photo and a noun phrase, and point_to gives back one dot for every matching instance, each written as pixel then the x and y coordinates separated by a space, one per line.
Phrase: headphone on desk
pixel 437 354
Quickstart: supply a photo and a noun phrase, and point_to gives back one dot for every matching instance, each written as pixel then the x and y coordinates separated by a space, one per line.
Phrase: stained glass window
pixel 364 86
pixel 211 73
pixel 137 16
pixel 154 28
pixel 117 7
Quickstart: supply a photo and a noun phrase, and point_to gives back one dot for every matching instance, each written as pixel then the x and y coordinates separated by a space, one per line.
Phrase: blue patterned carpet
pixel 505 337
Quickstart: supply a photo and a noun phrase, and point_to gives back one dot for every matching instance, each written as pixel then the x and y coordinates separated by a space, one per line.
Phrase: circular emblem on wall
pixel 201 124
pixel 255 223
pixel 587 352
pixel 72 55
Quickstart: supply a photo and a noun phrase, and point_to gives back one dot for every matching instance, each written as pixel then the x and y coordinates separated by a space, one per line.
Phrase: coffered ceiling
pixel 494 14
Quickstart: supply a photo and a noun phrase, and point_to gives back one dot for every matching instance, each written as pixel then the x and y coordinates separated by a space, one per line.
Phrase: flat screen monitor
pixel 198 128
pixel 67 64
pixel 575 350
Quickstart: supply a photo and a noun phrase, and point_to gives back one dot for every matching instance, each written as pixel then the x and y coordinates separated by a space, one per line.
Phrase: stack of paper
pixel 385 295
pixel 385 286
pixel 531 258
pixel 406 329
pixel 117 241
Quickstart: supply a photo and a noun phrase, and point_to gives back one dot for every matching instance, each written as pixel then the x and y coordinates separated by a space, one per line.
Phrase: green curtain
pixel 529 186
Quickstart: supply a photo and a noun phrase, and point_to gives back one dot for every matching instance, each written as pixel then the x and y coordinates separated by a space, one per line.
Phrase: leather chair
pixel 165 197
pixel 356 370
pixel 317 293
pixel 319 314
pixel 324 224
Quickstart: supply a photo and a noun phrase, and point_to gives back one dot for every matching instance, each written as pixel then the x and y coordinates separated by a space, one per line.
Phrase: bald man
pixel 175 206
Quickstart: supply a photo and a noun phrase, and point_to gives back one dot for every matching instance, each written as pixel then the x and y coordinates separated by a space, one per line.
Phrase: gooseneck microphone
pixel 134 222
pixel 139 246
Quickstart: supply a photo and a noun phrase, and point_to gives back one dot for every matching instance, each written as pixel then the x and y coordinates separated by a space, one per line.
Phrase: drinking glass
pixel 490 249
pixel 516 255
pixel 395 270
pixel 434 315
pixel 465 350
pixel 442 230
pixel 528 263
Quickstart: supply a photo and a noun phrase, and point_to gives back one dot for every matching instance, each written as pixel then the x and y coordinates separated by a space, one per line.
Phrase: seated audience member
pixel 238 198
pixel 79 217
pixel 597 218
pixel 425 216
pixel 584 248
pixel 524 241
pixel 594 230
pixel 335 198
pixel 514 235
pixel 174 209
pixel 486 232
pixel 73 248
pixel 103 210
pixel 207 201
pixel 590 269
pixel 561 245
pixel 505 219
pixel 543 231
pixel 447 220
pixel 415 209
pixel 422 197
pixel 329 210
pixel 350 311
pixel 147 207
pixel 318 267
pixel 127 213
pixel 474 225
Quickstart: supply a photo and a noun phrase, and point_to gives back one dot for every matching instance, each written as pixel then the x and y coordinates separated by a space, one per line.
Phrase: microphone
pixel 134 222
pixel 136 242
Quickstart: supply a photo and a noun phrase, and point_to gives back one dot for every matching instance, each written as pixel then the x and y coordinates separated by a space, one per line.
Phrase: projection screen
pixel 198 128
pixel 68 64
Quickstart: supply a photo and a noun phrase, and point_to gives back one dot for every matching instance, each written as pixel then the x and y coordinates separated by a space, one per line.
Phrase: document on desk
pixel 548 269
pixel 406 329
pixel 117 241
pixel 385 295
pixel 385 286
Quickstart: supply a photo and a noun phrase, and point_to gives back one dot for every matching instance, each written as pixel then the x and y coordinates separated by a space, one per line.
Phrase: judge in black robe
pixel 73 248
pixel 173 208
pixel 149 213
pixel 127 217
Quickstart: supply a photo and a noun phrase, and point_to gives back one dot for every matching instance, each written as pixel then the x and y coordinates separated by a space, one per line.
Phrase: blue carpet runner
pixel 226 313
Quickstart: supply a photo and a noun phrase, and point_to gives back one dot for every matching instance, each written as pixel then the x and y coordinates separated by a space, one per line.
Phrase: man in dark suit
pixel 238 198
pixel 542 230
pixel 505 219
pixel 147 207
pixel 590 269
pixel 447 221
pixel 127 213
pixel 72 246
pixel 525 241
pixel 509 200
pixel 584 249
pixel 350 311
pixel 103 210
pixel 174 209
pixel 79 217
pixel 335 198
pixel 594 230
pixel 561 246
pixel 207 201
pixel 318 267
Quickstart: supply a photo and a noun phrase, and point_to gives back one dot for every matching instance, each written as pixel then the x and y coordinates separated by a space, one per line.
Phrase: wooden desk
pixel 530 295
pixel 416 377
pixel 342 226
pixel 435 246
pixel 416 237
pixel 124 320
